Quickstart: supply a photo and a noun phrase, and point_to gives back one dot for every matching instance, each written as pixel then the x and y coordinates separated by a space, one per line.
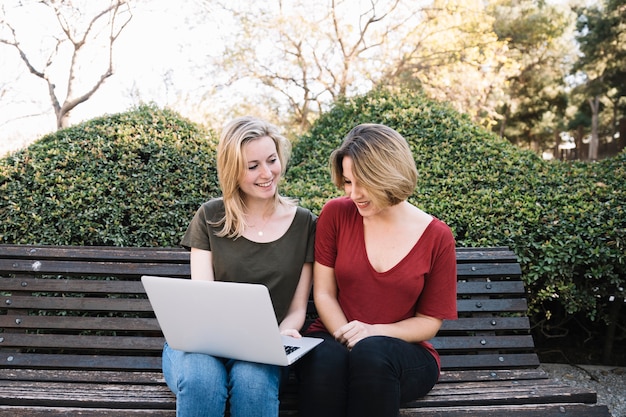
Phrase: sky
pixel 152 54
pixel 161 53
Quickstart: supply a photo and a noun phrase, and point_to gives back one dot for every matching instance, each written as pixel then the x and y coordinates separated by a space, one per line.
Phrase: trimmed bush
pixel 129 179
pixel 136 178
pixel 565 221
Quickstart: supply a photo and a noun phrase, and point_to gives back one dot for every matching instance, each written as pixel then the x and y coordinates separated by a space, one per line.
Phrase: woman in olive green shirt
pixel 251 234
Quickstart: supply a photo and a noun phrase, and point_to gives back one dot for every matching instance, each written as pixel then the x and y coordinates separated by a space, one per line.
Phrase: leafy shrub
pixel 130 179
pixel 136 178
pixel 565 221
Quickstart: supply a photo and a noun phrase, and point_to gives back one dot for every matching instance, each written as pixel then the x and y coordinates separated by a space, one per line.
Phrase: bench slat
pixel 78 303
pixel 528 410
pixel 497 288
pixel 79 323
pixel 72 361
pixel 61 375
pixel 94 268
pixel 489 361
pixel 137 254
pixel 72 286
pixel 492 305
pixel 493 270
pixel 21 411
pixel 87 395
pixel 485 323
pixel 71 342
pixel 479 343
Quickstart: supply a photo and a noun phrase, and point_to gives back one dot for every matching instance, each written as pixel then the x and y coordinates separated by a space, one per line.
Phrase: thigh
pixel 254 375
pixel 323 379
pixel 192 368
pixel 326 364
pixel 411 365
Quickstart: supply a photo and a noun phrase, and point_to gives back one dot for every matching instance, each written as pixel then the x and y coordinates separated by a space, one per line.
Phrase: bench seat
pixel 78 337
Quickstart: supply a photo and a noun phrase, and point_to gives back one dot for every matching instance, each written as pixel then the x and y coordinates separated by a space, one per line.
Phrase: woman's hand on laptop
pixel 291 332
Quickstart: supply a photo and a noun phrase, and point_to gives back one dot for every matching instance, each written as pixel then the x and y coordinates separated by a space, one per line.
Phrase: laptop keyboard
pixel 289 349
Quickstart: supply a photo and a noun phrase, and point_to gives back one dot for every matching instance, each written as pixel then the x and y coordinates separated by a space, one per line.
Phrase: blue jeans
pixel 373 379
pixel 203 384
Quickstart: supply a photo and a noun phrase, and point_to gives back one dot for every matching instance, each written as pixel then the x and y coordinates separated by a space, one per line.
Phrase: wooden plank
pixel 481 375
pixel 492 305
pixel 510 394
pixel 490 361
pixel 86 395
pixel 74 361
pixel 529 410
pixel 77 303
pixel 470 324
pixel 71 286
pixel 79 323
pixel 489 269
pixel 86 342
pixel 478 343
pixel 490 288
pixel 25 411
pixel 92 268
pixel 64 375
pixel 139 254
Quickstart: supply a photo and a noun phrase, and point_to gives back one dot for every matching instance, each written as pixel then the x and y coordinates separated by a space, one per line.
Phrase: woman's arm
pixel 325 296
pixel 201 263
pixel 294 320
pixel 414 329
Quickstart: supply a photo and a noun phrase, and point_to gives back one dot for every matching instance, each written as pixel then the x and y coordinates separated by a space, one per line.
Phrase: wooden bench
pixel 78 337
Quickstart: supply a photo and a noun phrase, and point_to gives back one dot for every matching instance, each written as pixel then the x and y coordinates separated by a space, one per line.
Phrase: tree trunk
pixel 593 144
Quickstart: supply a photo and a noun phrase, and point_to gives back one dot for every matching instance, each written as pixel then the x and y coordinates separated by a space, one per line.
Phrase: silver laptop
pixel 224 319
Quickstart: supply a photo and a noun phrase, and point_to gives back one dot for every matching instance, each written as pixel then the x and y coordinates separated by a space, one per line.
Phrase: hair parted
pixel 231 166
pixel 382 163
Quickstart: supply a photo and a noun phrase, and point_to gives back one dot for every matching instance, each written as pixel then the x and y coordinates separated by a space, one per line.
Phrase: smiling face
pixel 262 170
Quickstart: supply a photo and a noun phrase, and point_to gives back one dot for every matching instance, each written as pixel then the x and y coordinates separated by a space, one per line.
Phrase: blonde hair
pixel 231 166
pixel 382 163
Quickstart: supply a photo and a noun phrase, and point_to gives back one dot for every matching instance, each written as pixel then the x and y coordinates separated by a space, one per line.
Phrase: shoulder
pixel 339 204
pixel 212 209
pixel 305 213
pixel 440 232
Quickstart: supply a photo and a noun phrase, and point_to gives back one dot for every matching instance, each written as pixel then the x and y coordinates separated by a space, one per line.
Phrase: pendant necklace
pixel 260 232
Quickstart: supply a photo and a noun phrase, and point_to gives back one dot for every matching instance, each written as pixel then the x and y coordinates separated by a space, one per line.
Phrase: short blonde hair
pixel 231 167
pixel 382 163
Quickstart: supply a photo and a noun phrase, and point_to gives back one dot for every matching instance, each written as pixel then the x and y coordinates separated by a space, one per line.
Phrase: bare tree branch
pixel 79 41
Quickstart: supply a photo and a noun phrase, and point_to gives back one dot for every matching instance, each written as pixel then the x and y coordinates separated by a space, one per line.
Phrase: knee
pixel 368 355
pixel 255 376
pixel 197 371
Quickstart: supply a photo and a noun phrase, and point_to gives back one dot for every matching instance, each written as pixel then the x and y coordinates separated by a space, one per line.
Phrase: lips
pixel 265 184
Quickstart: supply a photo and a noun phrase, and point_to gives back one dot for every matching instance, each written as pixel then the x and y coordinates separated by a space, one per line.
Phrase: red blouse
pixel 424 281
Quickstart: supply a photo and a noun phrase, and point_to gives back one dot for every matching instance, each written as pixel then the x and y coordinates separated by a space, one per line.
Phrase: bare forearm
pixel 330 312
pixel 414 329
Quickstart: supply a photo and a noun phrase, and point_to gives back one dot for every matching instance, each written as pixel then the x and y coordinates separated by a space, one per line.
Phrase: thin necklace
pixel 260 232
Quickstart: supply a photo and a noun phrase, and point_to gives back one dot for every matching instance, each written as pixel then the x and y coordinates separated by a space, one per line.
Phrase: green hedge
pixel 565 221
pixel 136 178
pixel 130 179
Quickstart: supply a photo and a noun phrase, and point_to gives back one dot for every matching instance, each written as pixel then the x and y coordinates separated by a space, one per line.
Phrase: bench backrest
pixel 81 308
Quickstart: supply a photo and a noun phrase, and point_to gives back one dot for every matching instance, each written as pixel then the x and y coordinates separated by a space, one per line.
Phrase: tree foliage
pixel 602 66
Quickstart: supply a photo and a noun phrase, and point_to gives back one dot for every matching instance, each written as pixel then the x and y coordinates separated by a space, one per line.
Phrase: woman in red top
pixel 384 281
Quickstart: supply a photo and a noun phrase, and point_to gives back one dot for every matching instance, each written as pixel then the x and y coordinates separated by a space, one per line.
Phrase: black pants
pixel 372 379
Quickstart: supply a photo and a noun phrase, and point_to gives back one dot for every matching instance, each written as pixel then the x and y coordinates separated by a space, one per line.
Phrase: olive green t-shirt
pixel 277 264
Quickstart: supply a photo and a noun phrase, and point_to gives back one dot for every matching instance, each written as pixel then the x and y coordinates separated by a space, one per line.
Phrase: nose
pixel 266 171
pixel 354 192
